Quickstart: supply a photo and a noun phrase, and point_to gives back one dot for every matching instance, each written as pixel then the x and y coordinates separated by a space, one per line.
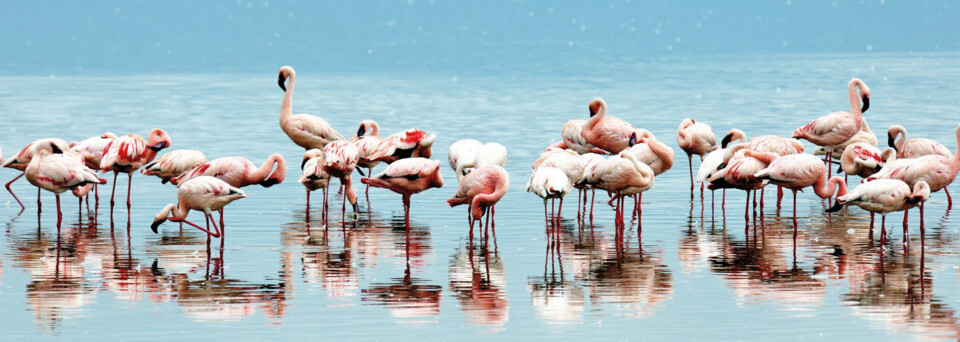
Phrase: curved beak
pixel 280 81
pixel 866 104
pixel 159 146
pixel 633 139
pixel 891 142
pixel 835 208
pixel 304 162
pixel 726 140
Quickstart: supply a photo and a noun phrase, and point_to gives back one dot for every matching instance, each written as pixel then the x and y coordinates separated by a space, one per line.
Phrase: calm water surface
pixel 696 272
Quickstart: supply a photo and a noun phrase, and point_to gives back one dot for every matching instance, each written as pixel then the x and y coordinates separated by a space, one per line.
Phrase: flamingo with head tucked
pixel 738 174
pixel 695 138
pixel 463 152
pixel 339 160
pixel 59 172
pixel 305 130
pixel 313 176
pixel 715 160
pixel 913 148
pixel 861 159
pixel 202 193
pixel 408 177
pixel 622 175
pixel 605 132
pixel 798 171
pixel 174 164
pixel 573 139
pixel 481 189
pixel 92 151
pixel 128 153
pixel 884 196
pixel 648 150
pixel 550 183
pixel 22 159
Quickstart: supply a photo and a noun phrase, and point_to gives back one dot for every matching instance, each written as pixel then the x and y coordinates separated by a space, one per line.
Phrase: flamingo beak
pixel 866 104
pixel 891 142
pixel 281 80
pixel 835 208
pixel 154 226
pixel 726 140
pixel 633 139
pixel 159 146
pixel 304 162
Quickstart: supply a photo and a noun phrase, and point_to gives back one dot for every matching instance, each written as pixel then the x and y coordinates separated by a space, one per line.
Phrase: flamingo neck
pixel 597 117
pixel 825 189
pixel 853 91
pixel 260 174
pixel 663 152
pixel 286 108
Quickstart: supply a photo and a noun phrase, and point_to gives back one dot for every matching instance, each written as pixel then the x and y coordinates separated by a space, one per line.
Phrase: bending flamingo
pixel 838 127
pixel 549 183
pixel 573 139
pixel 861 159
pixel 622 175
pixel 568 162
pixel 606 132
pixel 884 196
pixel 481 189
pixel 695 138
pixel 92 151
pixel 648 150
pixel 22 159
pixel 128 153
pixel 798 171
pixel 305 130
pixel 174 164
pixel 367 141
pixel 203 193
pixel 738 174
pixel 314 177
pixel 407 144
pixel 339 160
pixel 463 152
pixel 408 177
pixel 777 145
pixel 865 135
pixel 58 173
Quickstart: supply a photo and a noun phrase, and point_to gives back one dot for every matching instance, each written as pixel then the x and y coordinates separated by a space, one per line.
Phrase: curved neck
pixel 854 93
pixel 901 138
pixel 596 118
pixel 261 174
pixel 663 152
pixel 825 189
pixel 286 109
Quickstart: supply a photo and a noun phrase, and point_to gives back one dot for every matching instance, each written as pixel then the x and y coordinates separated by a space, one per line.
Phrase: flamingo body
pixel 174 164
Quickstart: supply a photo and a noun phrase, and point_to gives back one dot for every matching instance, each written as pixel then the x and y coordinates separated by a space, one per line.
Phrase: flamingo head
pixel 864 93
pixel 285 72
pixel 368 127
pixel 734 134
pixel 686 123
pixel 108 135
pixel 310 154
pixel 596 106
pixel 158 140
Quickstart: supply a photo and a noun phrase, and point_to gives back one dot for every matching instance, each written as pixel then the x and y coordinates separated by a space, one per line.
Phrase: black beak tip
pixel 840 169
pixel 164 180
pixel 154 226
pixel 835 208
pixel 866 104
pixel 280 81
pixel 891 142
pixel 633 139
pixel 304 162
pixel 726 140
pixel 361 172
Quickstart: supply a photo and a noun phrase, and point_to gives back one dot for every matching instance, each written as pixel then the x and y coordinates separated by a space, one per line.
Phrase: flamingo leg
pixel 690 164
pixel 22 207
pixel 723 201
pixel 779 196
pixel 308 205
pixel 906 213
pixel 129 185
pixel 59 214
pixel 546 218
pixel 113 192
pixel 184 220
pixel 921 220
pixel 949 199
pixel 593 197
pixel 883 232
pixel 794 212
pixel 223 230
pixel 746 210
pixel 38 201
pixel 96 195
pixel 560 209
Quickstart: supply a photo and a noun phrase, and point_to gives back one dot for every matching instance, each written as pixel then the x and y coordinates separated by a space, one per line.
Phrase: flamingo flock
pixel 597 152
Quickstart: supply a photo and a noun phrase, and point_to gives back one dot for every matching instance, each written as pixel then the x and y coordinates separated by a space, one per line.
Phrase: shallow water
pixel 695 272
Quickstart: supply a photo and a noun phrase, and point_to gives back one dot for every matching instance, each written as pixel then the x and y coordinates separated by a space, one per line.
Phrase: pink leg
pixel 794 212
pixel 593 197
pixel 690 163
pixel 59 214
pixel 949 199
pixel 746 210
pixel 22 207
pixel 113 192
pixel 308 206
pixel 560 209
pixel 39 205
pixel 129 185
pixel 223 230
pixel 182 220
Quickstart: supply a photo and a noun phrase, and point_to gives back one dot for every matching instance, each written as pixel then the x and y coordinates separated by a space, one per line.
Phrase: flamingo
pixel 838 127
pixel 22 159
pixel 549 183
pixel 128 153
pixel 339 160
pixel 203 193
pixel 239 171
pixel 936 170
pixel 570 163
pixel 622 175
pixel 913 148
pixel 648 150
pixel 407 144
pixel 408 177
pixel 463 152
pixel 314 177
pixel 174 164
pixel 778 145
pixel 695 138
pixel 861 159
pixel 884 196
pixel 798 171
pixel 573 139
pixel 606 132
pixel 59 172
pixel 92 151
pixel 481 189
pixel 305 130
pixel 865 135
pixel 715 160
pixel 367 140
pixel 738 174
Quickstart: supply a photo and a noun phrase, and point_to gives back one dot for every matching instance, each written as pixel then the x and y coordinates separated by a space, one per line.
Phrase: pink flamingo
pixel 622 175
pixel 568 162
pixel 798 171
pixel 573 139
pixel 22 159
pixel 408 177
pixel 865 135
pixel 174 164
pixel 777 145
pixel 92 151
pixel 913 148
pixel 738 174
pixel 203 193
pixel 606 132
pixel 367 140
pixel 305 130
pixel 58 173
pixel 339 160
pixel 481 189
pixel 314 177
pixel 715 160
pixel 936 170
pixel 128 153
pixel 648 150
pixel 861 159
pixel 695 138
pixel 407 144
pixel 838 127
pixel 884 196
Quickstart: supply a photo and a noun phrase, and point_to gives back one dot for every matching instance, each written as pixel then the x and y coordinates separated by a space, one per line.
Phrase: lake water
pixel 698 272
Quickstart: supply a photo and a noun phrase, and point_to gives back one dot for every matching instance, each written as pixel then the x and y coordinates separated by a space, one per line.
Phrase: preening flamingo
pixel 305 130
pixel 884 196
pixel 573 139
pixel 174 164
pixel 695 138
pixel 22 159
pixel 367 140
pixel 481 189
pixel 203 193
pixel 408 177
pixel 648 150
pixel 463 152
pixel 313 176
pixel 570 163
pixel 778 145
pixel 128 153
pixel 239 171
pixel 838 127
pixel 798 171
pixel 738 174
pixel 715 160
pixel 92 151
pixel 549 183
pixel 606 132
pixel 59 172
pixel 407 144
pixel 339 160
pixel 622 175
pixel 861 159
pixel 916 147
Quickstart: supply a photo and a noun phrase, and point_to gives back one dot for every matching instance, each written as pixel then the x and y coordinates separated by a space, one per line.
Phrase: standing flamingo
pixel 738 174
pixel 367 141
pixel 913 148
pixel 128 153
pixel 622 175
pixel 573 139
pixel 408 177
pixel 314 177
pixel 568 162
pixel 648 150
pixel 174 164
pixel 715 160
pixel 305 130
pixel 865 135
pixel 481 189
pixel 695 138
pixel 777 145
pixel 407 144
pixel 339 160
pixel 798 171
pixel 838 127
pixel 549 183
pixel 203 193
pixel 58 173
pixel 463 152
pixel 884 196
pixel 22 159
pixel 606 132
pixel 92 151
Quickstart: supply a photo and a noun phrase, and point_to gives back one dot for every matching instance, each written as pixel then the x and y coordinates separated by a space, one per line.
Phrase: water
pixel 694 273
